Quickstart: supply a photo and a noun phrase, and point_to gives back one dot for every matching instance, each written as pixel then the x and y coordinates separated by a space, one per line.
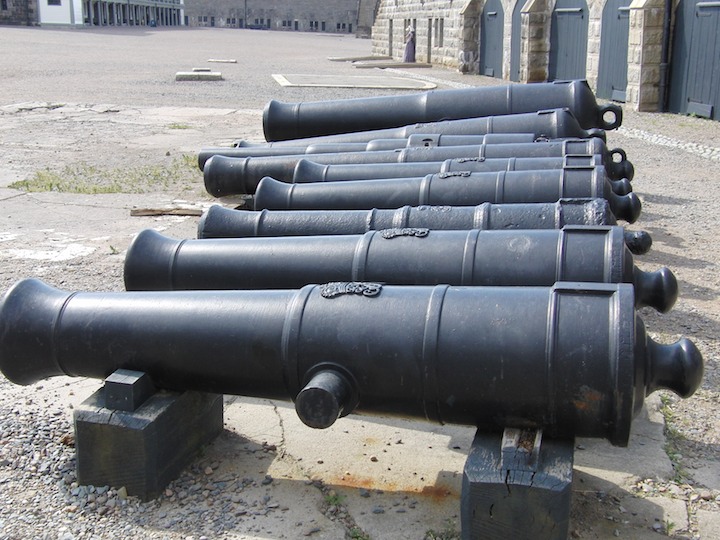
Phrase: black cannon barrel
pixel 449 361
pixel 550 124
pixel 573 359
pixel 451 189
pixel 308 171
pixel 615 161
pixel 283 121
pixel 417 139
pixel 432 139
pixel 233 176
pixel 220 222
pixel 400 256
pixel 271 149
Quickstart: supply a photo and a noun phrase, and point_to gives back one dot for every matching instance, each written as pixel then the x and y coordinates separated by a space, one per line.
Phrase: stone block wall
pixel 645 54
pixel 19 12
pixel 339 16
pixel 595 9
pixel 461 38
pixel 535 41
pixel 366 16
pixel 441 30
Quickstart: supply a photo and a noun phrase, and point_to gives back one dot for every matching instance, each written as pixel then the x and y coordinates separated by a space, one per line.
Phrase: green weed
pixel 181 173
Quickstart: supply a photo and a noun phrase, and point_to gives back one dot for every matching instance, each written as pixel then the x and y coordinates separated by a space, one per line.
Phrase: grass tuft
pixel 181 173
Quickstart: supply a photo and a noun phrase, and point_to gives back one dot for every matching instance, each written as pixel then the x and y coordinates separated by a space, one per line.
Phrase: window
pixel 54 2
pixel 3 5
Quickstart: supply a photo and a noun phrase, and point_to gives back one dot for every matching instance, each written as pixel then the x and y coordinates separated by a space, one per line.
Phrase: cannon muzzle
pixel 573 359
pixel 283 121
pixel 400 256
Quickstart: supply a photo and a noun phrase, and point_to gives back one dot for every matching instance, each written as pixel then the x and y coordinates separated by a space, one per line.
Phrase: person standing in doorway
pixel 409 55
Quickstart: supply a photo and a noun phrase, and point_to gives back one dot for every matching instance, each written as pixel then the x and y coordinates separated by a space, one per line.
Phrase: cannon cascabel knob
pixel 677 367
pixel 638 242
pixel 625 207
pixel 655 289
pixel 621 187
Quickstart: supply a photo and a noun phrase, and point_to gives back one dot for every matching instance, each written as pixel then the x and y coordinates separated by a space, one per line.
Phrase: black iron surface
pixel 221 222
pixel 550 123
pixel 615 161
pixel 232 176
pixel 282 121
pixel 578 352
pixel 400 256
pixel 452 189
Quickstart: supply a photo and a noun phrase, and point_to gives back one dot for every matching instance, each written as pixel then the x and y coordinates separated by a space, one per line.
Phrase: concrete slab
pixel 198 76
pixel 350 81
pixel 391 64
pixel 358 58
pixel 397 479
pixel 644 457
pixel 708 524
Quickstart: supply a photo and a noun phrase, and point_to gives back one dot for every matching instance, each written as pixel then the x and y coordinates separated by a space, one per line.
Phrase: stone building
pixel 339 16
pixel 624 48
pixel 133 12
pixel 21 12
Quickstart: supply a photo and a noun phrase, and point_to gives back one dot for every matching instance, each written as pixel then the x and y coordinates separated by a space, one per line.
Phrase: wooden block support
pixel 145 449
pixel 126 390
pixel 517 485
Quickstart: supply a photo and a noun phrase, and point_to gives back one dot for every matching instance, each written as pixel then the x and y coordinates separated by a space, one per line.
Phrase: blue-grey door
pixel 568 40
pixel 612 73
pixel 491 39
pixel 695 67
pixel 515 41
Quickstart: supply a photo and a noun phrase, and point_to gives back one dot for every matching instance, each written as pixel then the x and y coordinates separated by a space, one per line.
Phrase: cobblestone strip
pixel 709 152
